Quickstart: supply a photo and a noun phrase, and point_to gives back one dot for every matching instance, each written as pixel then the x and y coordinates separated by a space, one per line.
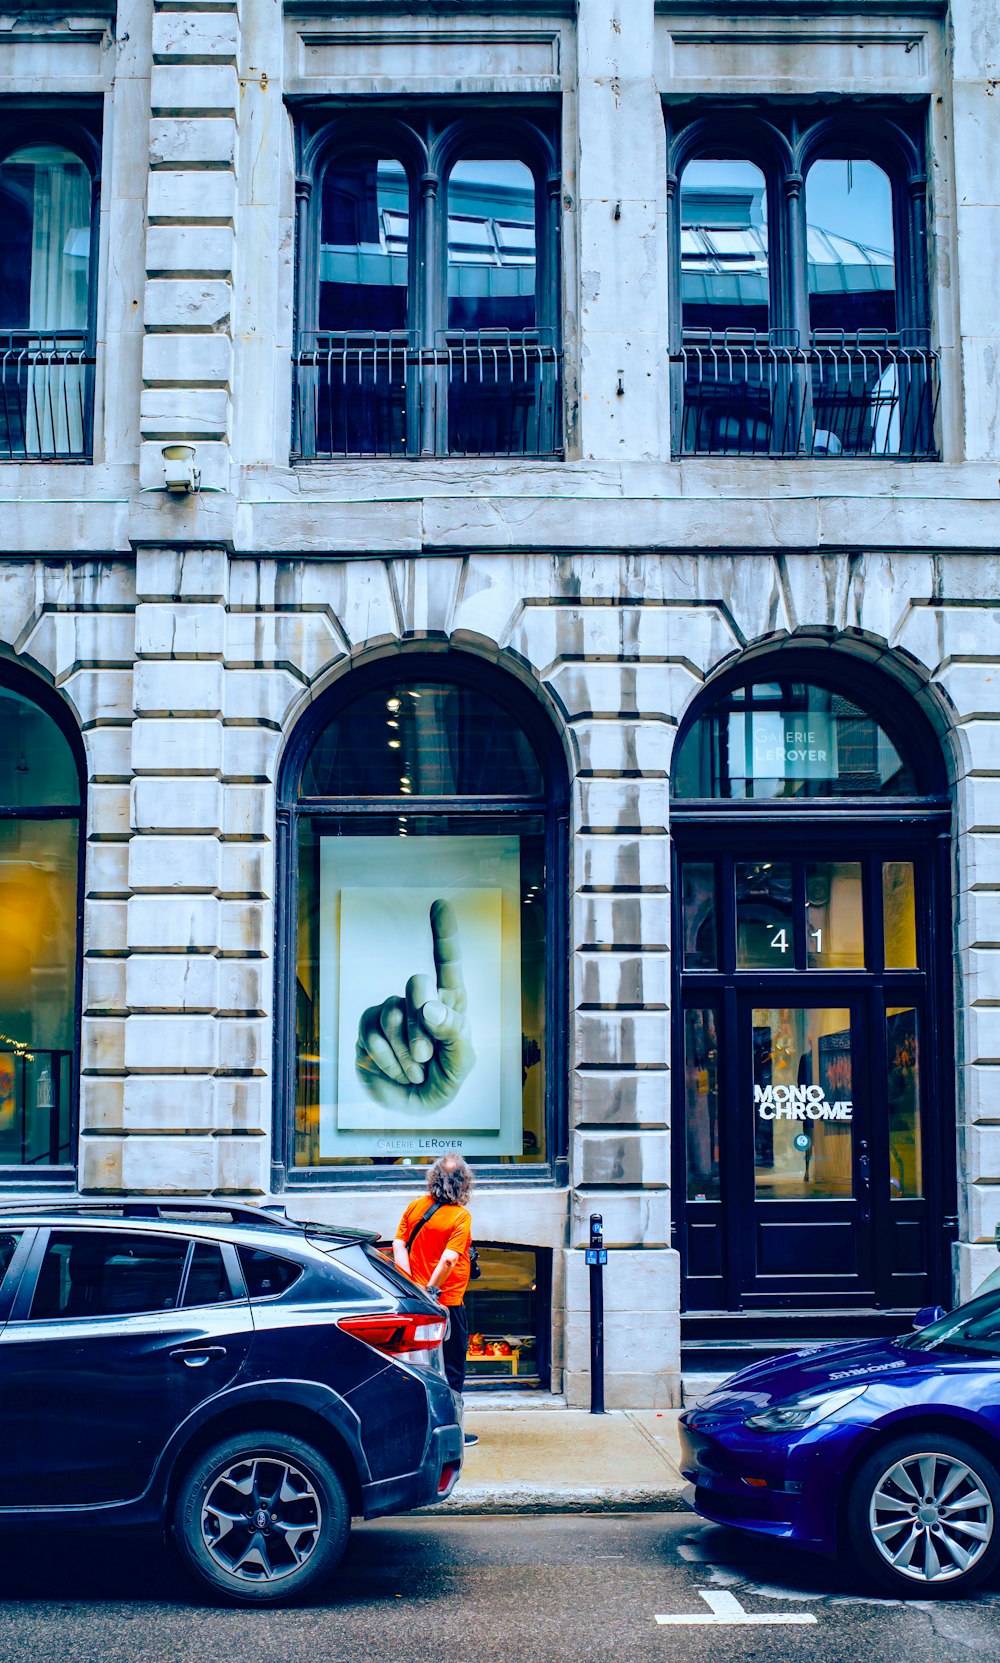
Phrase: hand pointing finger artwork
pixel 415 1050
pixel 447 949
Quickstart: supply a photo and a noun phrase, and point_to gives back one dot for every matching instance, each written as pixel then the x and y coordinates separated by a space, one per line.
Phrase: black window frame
pixel 78 130
pixel 428 139
pixel 553 807
pixel 784 140
pixel 61 1174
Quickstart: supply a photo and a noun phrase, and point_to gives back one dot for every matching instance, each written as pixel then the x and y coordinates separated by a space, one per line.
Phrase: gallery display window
pixel 422 846
pixel 40 889
pixel 509 1313
pixel 813 1051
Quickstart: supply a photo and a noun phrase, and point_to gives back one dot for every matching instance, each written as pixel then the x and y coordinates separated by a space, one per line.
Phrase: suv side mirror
pixel 928 1314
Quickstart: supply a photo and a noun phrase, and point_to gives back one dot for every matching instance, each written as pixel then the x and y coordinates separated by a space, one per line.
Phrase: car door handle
pixel 196 1356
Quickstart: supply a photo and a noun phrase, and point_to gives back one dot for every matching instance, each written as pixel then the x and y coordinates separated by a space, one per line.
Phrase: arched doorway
pixel 813 1063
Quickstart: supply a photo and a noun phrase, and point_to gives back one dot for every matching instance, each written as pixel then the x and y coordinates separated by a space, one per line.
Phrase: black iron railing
pixel 859 395
pixel 46 396
pixel 491 392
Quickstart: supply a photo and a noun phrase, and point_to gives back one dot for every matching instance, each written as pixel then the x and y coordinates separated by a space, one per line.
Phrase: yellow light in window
pixel 393 704
pixel 394 744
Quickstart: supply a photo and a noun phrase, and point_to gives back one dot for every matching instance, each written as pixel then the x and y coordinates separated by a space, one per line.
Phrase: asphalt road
pixel 578 1589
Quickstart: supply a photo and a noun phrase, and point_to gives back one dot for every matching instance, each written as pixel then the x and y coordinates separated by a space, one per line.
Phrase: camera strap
pixel 414 1233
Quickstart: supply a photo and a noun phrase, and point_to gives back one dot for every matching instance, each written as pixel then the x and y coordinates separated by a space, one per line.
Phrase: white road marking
pixel 725 1610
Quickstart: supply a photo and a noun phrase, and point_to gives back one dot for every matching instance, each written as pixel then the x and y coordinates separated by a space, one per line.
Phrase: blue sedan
pixel 887 1450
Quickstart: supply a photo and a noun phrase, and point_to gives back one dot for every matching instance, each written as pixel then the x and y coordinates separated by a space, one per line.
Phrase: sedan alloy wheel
pixel 923 1513
pixel 931 1517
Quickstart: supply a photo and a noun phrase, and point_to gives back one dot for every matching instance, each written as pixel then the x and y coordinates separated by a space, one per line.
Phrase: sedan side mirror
pixel 928 1314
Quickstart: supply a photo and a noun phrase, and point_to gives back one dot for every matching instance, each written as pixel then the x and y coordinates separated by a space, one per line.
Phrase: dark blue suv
pixel 245 1382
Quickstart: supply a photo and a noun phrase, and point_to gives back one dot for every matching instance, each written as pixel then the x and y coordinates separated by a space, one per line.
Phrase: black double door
pixel 812 1172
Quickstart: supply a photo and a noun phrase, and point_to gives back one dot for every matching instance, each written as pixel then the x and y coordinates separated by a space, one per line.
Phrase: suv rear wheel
pixel 261 1517
pixel 923 1516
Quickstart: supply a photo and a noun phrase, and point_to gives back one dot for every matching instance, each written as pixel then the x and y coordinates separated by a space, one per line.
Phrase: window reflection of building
pixel 798 328
pixel 750 744
pixel 428 320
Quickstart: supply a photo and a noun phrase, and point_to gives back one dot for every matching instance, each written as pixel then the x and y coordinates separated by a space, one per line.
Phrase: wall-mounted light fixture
pixel 181 477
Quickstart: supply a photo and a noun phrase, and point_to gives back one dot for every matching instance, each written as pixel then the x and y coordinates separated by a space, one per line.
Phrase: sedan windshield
pixel 973 1327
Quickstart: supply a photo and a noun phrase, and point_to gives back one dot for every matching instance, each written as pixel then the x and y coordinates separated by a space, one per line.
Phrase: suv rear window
pixel 86 1274
pixel 8 1242
pixel 265 1274
pixel 208 1279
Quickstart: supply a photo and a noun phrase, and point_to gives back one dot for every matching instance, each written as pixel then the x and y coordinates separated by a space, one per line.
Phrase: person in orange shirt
pixel 432 1245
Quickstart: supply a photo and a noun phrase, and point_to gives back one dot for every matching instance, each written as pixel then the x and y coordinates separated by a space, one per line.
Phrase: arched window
pixel 500 386
pixel 46 276
pixel 357 390
pixel 812 1030
pixel 423 826
pixel 850 247
pixel 40 815
pixel 801 330
pixel 724 263
pixel 492 246
pixel 428 288
pixel 786 738
pixel 364 244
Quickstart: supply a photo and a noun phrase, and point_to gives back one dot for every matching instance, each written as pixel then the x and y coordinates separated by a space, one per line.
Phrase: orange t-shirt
pixel 450 1228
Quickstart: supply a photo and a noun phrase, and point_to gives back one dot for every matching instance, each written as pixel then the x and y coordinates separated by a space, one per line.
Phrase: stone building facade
pixel 614 581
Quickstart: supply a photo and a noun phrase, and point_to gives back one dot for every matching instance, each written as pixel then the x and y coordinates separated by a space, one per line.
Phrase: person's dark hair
pixel 450 1181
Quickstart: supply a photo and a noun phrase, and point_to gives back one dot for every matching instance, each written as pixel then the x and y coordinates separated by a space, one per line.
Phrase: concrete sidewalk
pixel 551 1459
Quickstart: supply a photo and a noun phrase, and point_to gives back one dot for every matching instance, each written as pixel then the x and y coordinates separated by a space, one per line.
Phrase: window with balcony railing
pixel 427 290
pixel 48 197
pixel 799 292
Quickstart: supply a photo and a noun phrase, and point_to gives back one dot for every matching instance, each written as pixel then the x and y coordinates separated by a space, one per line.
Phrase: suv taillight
pixel 397 1334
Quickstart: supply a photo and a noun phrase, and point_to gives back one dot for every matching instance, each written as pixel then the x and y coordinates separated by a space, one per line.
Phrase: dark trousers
pixel 455 1347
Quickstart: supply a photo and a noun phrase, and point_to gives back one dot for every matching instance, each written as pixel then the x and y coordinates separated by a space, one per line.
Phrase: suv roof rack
pixel 272 1214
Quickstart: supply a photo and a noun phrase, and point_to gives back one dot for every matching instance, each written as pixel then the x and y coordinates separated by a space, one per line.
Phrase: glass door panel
pixel 700 915
pixel 906 1177
pixel 803 1190
pixel 835 931
pixel 765 938
pixel 803 1105
pixel 899 915
pixel 701 1088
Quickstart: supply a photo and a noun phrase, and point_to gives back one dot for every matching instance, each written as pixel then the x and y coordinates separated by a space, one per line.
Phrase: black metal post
pixel 597 1258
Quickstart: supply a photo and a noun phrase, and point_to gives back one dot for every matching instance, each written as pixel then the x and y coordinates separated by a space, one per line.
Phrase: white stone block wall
pixel 185 741
pixel 187 365
pixel 189 635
